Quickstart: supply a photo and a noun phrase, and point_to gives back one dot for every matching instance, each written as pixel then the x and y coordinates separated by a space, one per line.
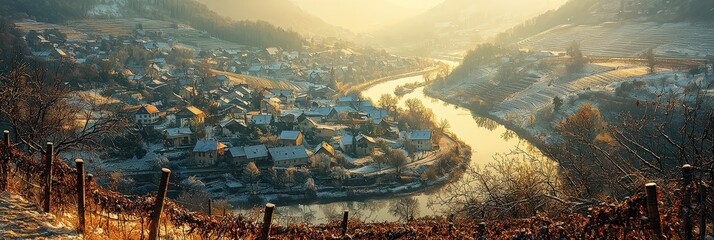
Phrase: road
pixel 446 145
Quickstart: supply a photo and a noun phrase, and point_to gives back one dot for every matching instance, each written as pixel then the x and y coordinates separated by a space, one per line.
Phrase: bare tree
pixel 42 108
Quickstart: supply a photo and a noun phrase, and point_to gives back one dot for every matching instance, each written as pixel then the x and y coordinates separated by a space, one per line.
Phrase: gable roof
pixel 263 119
pixel 147 109
pixel 289 135
pixel 288 153
pixel 256 151
pixel 326 147
pixel 420 135
pixel 178 132
pixel 347 139
pixel 237 151
pixel 193 111
pixel 206 145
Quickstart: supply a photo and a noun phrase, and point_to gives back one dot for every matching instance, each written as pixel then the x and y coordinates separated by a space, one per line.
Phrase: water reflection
pixel 487 138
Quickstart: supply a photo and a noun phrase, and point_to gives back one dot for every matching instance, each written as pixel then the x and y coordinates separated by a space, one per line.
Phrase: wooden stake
pixel 49 159
pixel 345 218
pixel 159 204
pixel 687 200
pixel 80 196
pixel 210 207
pixel 267 221
pixel 653 210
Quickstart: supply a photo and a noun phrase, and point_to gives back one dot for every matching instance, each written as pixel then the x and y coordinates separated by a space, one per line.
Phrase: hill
pixel 460 24
pixel 360 16
pixel 282 13
pixel 190 12
pixel 592 12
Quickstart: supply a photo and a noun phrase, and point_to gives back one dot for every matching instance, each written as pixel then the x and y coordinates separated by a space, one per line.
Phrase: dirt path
pixel 23 220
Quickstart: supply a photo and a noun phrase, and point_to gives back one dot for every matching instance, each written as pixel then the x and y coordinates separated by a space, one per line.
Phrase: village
pixel 265 121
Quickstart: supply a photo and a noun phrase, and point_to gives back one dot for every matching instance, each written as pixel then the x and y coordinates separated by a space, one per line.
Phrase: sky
pixel 416 4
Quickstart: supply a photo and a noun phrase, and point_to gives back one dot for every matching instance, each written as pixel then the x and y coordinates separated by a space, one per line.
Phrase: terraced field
pixel 267 83
pixel 541 94
pixel 629 39
pixel 72 33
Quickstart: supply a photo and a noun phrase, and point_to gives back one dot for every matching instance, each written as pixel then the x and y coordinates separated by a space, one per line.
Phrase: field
pixel 267 83
pixel 628 39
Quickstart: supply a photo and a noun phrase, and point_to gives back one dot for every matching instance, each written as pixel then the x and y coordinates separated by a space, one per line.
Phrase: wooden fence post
pixel 6 162
pixel 210 207
pixel 345 220
pixel 159 204
pixel 267 221
pixel 703 210
pixel 49 159
pixel 80 196
pixel 687 200
pixel 653 210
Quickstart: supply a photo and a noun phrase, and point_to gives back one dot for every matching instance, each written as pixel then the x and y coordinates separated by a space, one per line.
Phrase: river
pixel 486 137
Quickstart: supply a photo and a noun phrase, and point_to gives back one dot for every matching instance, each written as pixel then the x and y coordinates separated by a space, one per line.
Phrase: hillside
pixel 460 24
pixel 282 13
pixel 360 16
pixel 189 12
pixel 23 220
pixel 593 12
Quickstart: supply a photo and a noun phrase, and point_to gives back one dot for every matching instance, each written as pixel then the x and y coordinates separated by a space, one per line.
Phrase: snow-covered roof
pixel 289 135
pixel 208 145
pixel 177 132
pixel 420 135
pixel 257 151
pixel 347 139
pixel 263 119
pixel 288 153
pixel 230 121
pixel 237 151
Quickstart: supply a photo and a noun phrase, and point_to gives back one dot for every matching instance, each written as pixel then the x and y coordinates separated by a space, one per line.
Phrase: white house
pixel 147 115
pixel 421 139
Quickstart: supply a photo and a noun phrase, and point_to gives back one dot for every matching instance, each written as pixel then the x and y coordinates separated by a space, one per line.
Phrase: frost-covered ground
pixel 20 219
pixel 683 39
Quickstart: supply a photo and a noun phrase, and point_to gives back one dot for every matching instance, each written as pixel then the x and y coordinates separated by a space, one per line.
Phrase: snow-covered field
pixel 23 220
pixel 628 39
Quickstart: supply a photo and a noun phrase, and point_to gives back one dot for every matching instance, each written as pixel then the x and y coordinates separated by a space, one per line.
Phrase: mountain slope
pixel 359 15
pixel 282 13
pixel 459 24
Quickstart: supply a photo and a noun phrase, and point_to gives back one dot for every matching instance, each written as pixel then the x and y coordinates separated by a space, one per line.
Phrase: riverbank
pixel 363 86
pixel 483 112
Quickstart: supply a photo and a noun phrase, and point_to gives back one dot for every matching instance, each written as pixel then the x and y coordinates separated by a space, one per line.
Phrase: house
pixel 286 96
pixel 232 127
pixel 187 92
pixel 190 115
pixel 256 153
pixel 308 125
pixel 364 146
pixel 421 139
pixel 261 120
pixel 290 138
pixel 207 152
pixel 289 156
pixel 324 148
pixel 147 115
pixel 178 137
pixel 237 155
pixel 340 113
